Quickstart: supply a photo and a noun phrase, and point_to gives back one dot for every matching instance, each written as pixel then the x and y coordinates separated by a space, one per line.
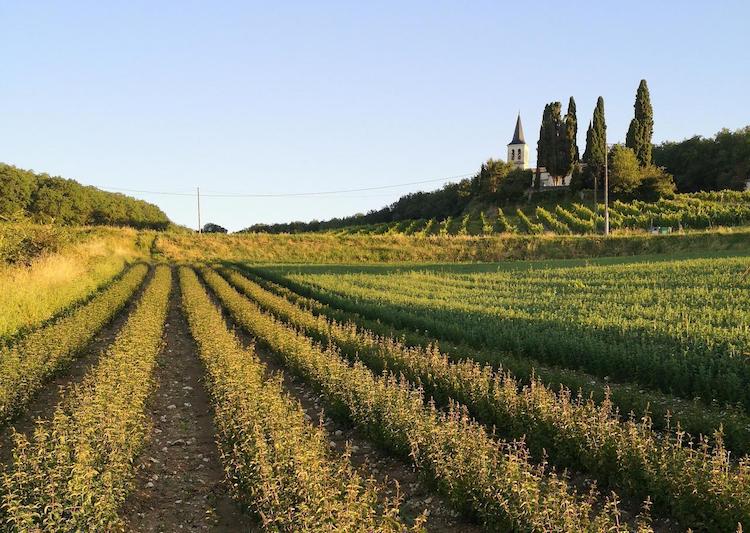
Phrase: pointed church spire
pixel 518 137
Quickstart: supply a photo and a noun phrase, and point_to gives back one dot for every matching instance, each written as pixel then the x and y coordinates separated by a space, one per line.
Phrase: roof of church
pixel 518 134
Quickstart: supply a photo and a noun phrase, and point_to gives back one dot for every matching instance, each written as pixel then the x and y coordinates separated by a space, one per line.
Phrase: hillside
pixel 559 214
pixel 693 165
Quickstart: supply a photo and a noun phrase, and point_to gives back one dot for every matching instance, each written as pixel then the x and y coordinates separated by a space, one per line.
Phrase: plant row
pixel 26 365
pixel 277 463
pixel 574 222
pixel 725 196
pixel 677 327
pixel 493 480
pixel 693 213
pixel 76 469
pixel 684 211
pixel 551 222
pixel 665 410
pixel 697 486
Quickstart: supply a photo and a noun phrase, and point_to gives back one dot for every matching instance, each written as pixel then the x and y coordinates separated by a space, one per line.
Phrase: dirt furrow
pixel 180 479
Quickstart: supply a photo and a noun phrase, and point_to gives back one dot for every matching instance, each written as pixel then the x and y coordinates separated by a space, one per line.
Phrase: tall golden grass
pixel 52 282
pixel 329 248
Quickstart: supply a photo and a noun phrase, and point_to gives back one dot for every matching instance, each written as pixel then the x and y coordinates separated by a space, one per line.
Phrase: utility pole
pixel 596 204
pixel 198 191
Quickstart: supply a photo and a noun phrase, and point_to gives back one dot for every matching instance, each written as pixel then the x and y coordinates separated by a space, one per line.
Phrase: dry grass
pixel 330 249
pixel 53 282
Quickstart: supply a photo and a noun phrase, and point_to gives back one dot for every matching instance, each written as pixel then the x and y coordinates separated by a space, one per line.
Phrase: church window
pixel 512 155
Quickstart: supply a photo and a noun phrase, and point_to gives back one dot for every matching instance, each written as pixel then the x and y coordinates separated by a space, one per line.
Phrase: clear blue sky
pixel 275 97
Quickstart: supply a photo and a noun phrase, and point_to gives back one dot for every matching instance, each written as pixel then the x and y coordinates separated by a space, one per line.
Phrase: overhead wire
pixel 219 194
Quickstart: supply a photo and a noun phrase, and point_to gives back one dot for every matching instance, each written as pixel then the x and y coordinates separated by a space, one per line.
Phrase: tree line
pixel 449 200
pixel 51 199
pixel 632 172
pixel 708 164
pixel 637 169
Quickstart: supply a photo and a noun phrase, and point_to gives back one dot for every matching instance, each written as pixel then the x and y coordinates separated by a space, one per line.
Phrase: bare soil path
pixel 180 479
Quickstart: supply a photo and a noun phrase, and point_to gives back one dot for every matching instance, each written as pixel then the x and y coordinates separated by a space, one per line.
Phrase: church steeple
pixel 518 137
pixel 518 150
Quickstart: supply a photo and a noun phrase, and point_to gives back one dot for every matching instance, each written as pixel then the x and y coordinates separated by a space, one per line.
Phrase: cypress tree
pixel 641 127
pixel 581 177
pixel 596 149
pixel 589 143
pixel 557 165
pixel 588 156
pixel 599 125
pixel 631 137
pixel 551 145
pixel 571 135
pixel 542 145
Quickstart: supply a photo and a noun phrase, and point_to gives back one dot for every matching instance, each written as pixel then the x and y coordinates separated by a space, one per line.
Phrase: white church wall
pixel 546 180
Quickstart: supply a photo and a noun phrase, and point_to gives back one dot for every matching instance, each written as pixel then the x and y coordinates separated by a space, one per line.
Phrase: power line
pixel 342 191
pixel 217 194
pixel 198 194
pixel 119 189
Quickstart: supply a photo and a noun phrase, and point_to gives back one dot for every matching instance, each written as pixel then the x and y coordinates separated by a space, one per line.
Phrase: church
pixel 518 154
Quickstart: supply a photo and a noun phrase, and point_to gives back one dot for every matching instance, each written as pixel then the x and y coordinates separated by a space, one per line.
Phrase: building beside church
pixel 518 155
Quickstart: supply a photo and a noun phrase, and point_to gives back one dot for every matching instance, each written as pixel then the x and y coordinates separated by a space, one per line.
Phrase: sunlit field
pixel 589 393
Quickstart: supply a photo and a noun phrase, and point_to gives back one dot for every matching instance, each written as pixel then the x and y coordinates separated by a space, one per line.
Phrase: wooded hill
pixel 695 164
pixel 52 199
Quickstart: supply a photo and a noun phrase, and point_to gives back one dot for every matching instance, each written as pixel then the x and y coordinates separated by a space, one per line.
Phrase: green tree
pixel 641 128
pixel 16 188
pixel 491 174
pixel 655 183
pixel 596 145
pixel 578 180
pixel 570 138
pixel 542 144
pixel 210 227
pixel 627 178
pixel 581 177
pixel 63 201
pixel 551 147
pixel 704 164
pixel 589 142
pixel 515 184
pixel 624 170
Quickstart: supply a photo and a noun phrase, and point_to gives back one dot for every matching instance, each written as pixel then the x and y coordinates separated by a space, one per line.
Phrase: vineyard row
pixel 277 462
pixel 683 212
pixel 697 418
